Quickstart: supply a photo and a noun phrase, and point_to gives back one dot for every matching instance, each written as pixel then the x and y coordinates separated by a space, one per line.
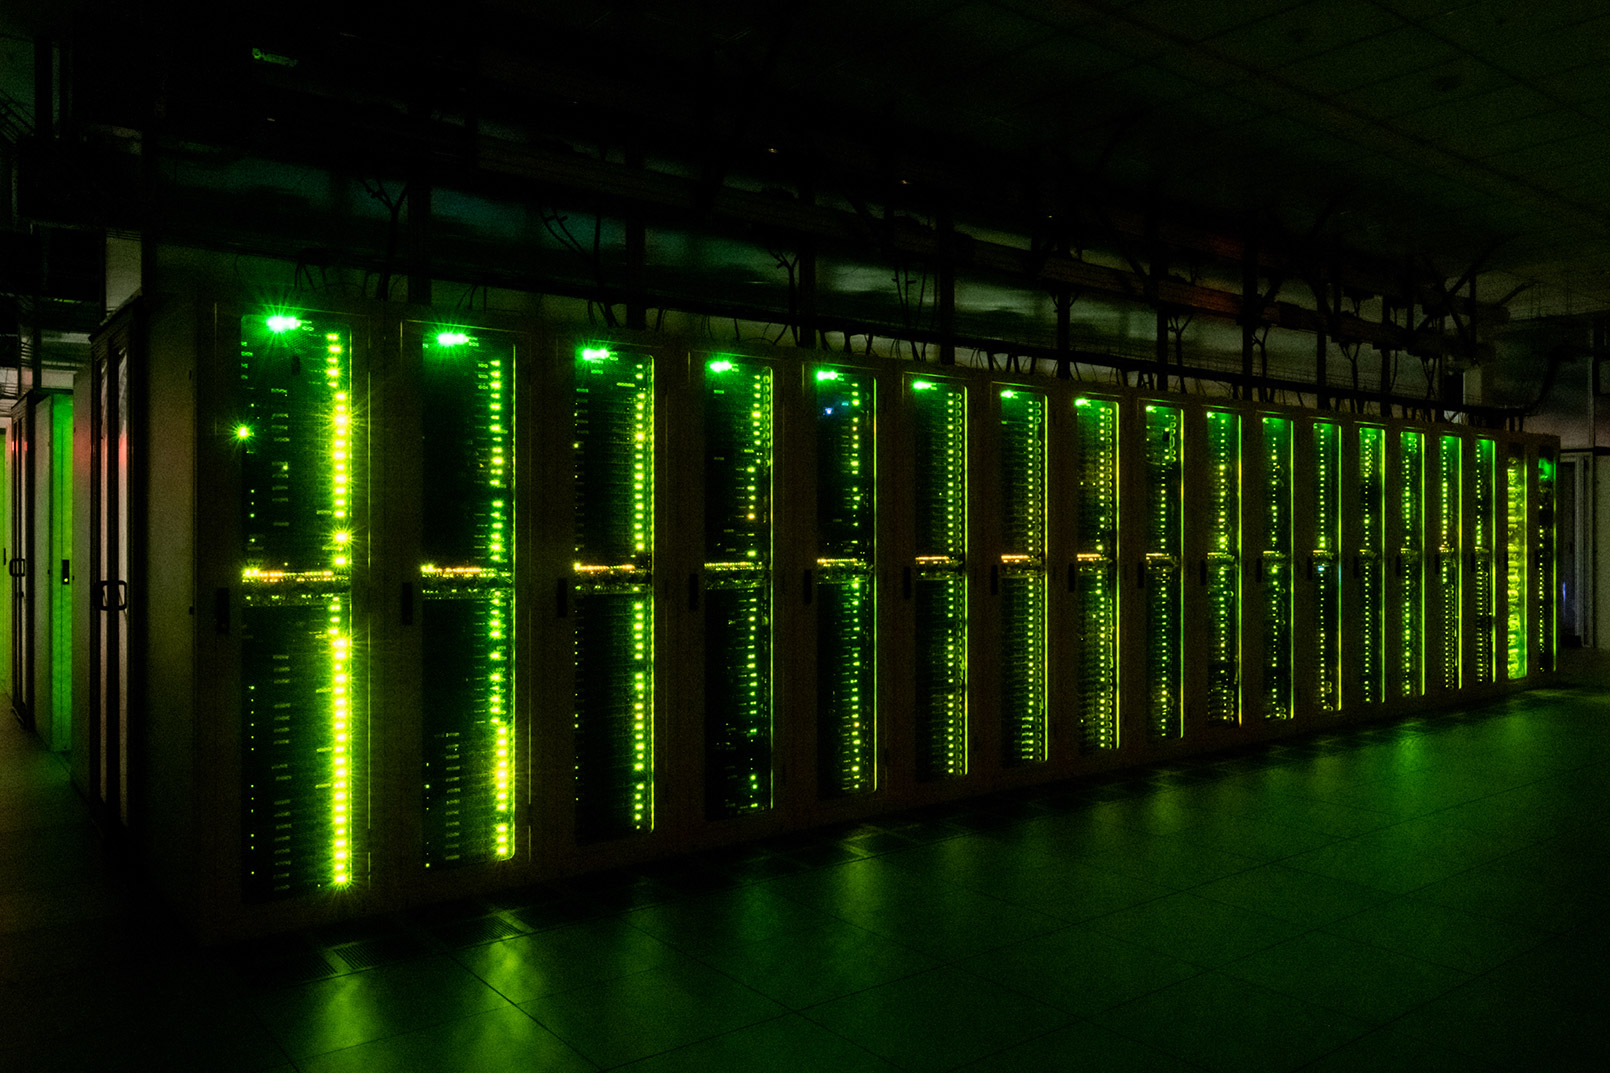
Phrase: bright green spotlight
pixel 452 338
pixel 343 537
pixel 243 432
pixel 1008 393
pixel 921 385
pixel 597 353
pixel 280 323
pixel 720 366
pixel 827 374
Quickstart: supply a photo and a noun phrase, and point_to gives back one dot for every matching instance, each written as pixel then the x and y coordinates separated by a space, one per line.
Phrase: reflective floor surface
pixel 1427 894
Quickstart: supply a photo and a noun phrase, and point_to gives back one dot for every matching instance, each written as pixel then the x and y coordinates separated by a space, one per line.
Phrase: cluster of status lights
pixel 340 637
pixel 1543 609
pixel 939 413
pixel 1484 508
pixel 1096 584
pixel 1516 585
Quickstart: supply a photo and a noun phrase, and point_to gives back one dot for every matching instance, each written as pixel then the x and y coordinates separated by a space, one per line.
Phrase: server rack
pixel 1325 567
pixel 1160 567
pixel 1450 612
pixel 304 762
pixel 845 593
pixel 1483 590
pixel 1545 606
pixel 1517 581
pixel 1220 568
pixel 1408 543
pixel 1275 567
pixel 467 626
pixel 1098 606
pixel 1019 579
pixel 612 607
pixel 1369 565
pixel 937 577
pixel 737 595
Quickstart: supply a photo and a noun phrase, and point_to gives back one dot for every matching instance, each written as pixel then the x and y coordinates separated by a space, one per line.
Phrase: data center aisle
pixel 1426 894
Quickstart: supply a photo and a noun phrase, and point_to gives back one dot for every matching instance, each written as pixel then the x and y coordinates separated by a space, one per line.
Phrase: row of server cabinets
pixel 493 605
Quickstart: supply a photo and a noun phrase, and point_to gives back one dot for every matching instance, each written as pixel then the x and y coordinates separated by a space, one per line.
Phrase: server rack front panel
pixel 1096 571
pixel 1370 565
pixel 1409 541
pixel 1483 584
pixel 737 592
pixel 845 596
pixel 466 579
pixel 1517 586
pixel 304 762
pixel 1160 568
pixel 1275 567
pixel 1450 561
pixel 613 608
pixel 938 417
pixel 1545 608
pixel 1221 569
pixel 1021 577
pixel 1325 567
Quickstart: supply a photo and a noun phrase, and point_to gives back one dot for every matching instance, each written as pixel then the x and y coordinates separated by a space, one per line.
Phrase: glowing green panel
pixel 1517 546
pixel 1545 611
pixel 467 582
pixel 1022 582
pixel 1371 564
pixel 938 413
pixel 1484 507
pixel 304 755
pixel 613 642
pixel 1450 559
pixel 737 569
pixel 1327 568
pixel 1224 567
pixel 59 735
pixel 1160 568
pixel 1410 542
pixel 1275 496
pixel 1096 588
pixel 846 635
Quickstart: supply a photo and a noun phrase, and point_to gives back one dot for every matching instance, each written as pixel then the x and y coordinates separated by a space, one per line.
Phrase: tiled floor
pixel 1428 894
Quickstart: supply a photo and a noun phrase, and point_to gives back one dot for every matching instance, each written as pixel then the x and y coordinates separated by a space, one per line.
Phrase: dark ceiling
pixel 1454 133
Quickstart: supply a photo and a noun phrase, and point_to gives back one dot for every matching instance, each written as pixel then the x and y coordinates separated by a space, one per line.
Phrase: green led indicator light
pixel 827 374
pixel 595 354
pixel 921 385
pixel 283 323
pixel 243 432
pixel 452 338
pixel 1008 393
pixel 719 366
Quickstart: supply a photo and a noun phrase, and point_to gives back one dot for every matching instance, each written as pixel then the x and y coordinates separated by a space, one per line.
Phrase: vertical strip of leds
pixel 1517 545
pixel 612 515
pixel 1022 577
pixel 1224 567
pixel 1484 507
pixel 1450 559
pixel 939 589
pixel 1160 569
pixel 1411 564
pixel 1544 608
pixel 1326 568
pixel 1276 567
pixel 298 444
pixel 467 584
pixel 1095 580
pixel 1371 565
pixel 846 622
pixel 737 572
